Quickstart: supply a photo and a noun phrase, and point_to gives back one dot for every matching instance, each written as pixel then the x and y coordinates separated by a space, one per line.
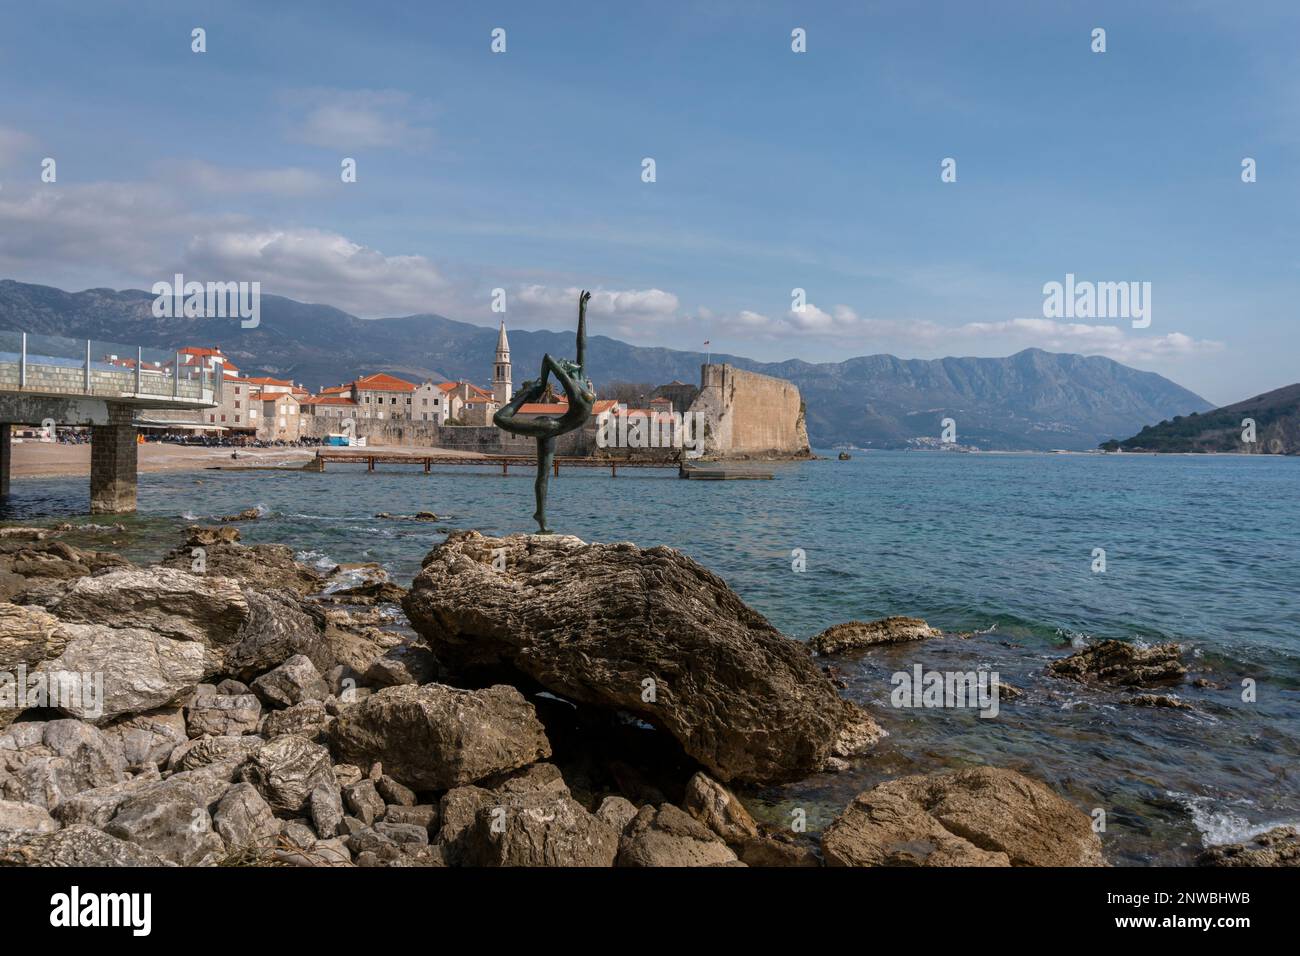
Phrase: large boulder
pixel 76 846
pixel 173 819
pixel 48 762
pixel 286 770
pixel 19 817
pixel 718 809
pixel 1124 663
pixel 436 737
pixel 540 829
pixel 979 817
pixel 293 682
pixel 259 566
pixel 140 670
pixel 243 819
pixel 30 561
pixel 223 715
pixel 856 635
pixel 648 632
pixel 28 637
pixel 667 836
pixel 175 604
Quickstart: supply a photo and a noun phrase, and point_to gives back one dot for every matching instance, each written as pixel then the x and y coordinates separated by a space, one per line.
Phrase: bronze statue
pixel 546 428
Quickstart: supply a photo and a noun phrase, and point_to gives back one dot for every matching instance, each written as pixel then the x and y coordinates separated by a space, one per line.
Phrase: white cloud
pixel 231 180
pixel 360 119
pixel 15 143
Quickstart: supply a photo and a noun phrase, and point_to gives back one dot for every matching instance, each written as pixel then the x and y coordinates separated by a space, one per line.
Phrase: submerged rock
pixel 1121 662
pixel 1280 846
pixel 979 817
pixel 855 635
pixel 435 737
pixel 648 632
pixel 261 566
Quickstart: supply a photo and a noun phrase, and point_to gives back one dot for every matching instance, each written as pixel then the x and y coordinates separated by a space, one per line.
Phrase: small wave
pixel 317 559
pixel 1218 824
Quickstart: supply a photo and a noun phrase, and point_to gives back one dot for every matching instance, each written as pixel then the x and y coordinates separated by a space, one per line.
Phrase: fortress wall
pixel 750 415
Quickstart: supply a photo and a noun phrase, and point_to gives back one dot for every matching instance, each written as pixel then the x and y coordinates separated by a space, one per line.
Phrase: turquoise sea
pixel 1204 550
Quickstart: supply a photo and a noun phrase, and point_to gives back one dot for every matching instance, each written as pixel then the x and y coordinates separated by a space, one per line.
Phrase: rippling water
pixel 1204 550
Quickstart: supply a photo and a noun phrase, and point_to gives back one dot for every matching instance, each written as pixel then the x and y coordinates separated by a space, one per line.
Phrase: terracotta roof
pixel 199 353
pixel 604 405
pixel 336 389
pixel 383 382
pixel 271 381
pixel 329 400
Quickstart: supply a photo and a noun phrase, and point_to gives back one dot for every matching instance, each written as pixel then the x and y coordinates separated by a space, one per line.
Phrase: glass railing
pixel 58 365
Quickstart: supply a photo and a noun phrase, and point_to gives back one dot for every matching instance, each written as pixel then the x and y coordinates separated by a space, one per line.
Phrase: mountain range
pixel 1032 400
pixel 1266 424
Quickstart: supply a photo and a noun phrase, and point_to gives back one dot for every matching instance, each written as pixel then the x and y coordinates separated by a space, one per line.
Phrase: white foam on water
pixel 1218 824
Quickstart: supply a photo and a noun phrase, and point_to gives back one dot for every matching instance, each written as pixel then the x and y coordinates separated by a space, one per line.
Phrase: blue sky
pixel 775 170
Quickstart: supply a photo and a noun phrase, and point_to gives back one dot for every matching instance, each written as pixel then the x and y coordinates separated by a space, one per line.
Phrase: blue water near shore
pixel 1204 550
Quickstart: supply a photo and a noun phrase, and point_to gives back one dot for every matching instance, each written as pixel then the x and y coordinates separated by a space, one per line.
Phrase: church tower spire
pixel 502 391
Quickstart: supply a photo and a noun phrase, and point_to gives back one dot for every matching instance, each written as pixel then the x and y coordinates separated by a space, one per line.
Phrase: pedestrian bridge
pixel 48 379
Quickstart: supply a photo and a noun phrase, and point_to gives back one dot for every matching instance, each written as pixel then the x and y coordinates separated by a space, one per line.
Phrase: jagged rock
pixel 31 564
pixel 309 719
pixel 403 833
pixel 347 774
pixel 539 829
pixel 649 632
pixel 364 801
pixel 67 757
pixel 28 637
pixel 1119 662
pixel 172 819
pixel 223 715
pixel 141 669
pixel 286 770
pixel 258 566
pixel 19 817
pixel 291 683
pixel 277 628
pixel 244 819
pixel 768 850
pixel 855 635
pixel 75 846
pixel 668 836
pixel 199 536
pixel 326 808
pixel 718 809
pixel 979 817
pixel 96 807
pixel 422 814
pixel 233 688
pixel 226 754
pixel 1160 700
pixel 616 811
pixel 1279 846
pixel 404 664
pixel 297 833
pixel 394 793
pixel 204 608
pixel 435 737
pixel 248 514
pixel 459 807
pixel 148 739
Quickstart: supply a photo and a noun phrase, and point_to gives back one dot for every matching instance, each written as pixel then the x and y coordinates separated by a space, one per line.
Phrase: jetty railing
pixel 54 365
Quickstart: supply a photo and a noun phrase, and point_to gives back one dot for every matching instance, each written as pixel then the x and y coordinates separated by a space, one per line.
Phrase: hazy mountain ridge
pixel 1276 417
pixel 1031 400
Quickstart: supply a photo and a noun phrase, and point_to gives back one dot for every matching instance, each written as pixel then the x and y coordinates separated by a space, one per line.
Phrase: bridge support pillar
pixel 113 463
pixel 6 450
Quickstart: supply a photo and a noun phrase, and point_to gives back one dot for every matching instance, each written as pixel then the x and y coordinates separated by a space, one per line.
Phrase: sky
pixel 774 170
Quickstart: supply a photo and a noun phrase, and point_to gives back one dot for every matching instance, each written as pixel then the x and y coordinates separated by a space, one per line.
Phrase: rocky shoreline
pixel 527 701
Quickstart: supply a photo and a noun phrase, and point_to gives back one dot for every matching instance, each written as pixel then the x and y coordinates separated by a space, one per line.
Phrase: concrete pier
pixel 113 453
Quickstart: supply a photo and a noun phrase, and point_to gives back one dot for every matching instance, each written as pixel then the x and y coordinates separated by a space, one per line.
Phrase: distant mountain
pixel 1276 415
pixel 1031 400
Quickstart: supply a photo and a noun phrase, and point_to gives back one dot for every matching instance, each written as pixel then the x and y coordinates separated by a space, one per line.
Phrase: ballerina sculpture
pixel 572 376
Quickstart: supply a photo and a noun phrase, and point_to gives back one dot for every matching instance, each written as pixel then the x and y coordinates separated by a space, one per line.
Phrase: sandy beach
pixel 50 460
